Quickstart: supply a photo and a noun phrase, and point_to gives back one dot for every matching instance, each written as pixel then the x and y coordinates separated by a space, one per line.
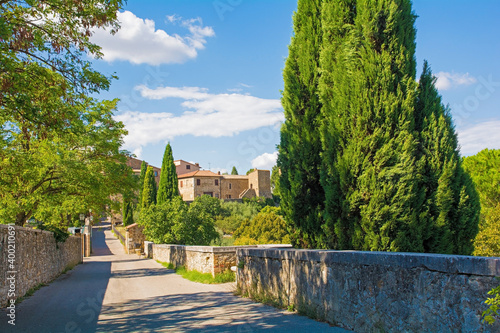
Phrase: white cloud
pixel 139 42
pixel 213 115
pixel 446 80
pixel 480 136
pixel 265 161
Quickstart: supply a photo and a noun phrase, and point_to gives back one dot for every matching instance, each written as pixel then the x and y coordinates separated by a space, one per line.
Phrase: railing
pixel 118 234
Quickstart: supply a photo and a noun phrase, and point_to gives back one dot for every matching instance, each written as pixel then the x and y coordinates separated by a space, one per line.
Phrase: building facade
pixel 183 167
pixel 194 182
pixel 228 187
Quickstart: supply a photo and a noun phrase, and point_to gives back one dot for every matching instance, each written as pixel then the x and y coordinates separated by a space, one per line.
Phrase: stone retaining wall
pixel 374 291
pixel 37 259
pixel 205 259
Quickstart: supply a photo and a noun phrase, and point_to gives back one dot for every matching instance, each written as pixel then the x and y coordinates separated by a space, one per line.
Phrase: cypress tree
pixel 142 176
pixel 234 171
pixel 449 214
pixel 299 159
pixel 367 89
pixel 128 217
pixel 168 187
pixel 149 190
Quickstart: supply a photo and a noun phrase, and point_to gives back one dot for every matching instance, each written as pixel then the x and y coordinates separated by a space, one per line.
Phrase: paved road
pixel 115 292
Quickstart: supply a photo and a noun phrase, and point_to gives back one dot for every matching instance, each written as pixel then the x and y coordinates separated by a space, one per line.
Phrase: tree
pixel 127 212
pixel 299 160
pixel 449 206
pixel 234 171
pixel 59 148
pixel 168 187
pixel 250 171
pixel 362 165
pixel 149 190
pixel 173 222
pixel 142 176
pixel 275 183
pixel 267 227
pixel 484 169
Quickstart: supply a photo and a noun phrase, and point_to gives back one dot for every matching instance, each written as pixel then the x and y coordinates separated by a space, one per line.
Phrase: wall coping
pixel 455 264
pixel 19 228
pixel 221 249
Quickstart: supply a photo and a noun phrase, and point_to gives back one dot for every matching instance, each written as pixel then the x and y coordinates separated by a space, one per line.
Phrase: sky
pixel 206 76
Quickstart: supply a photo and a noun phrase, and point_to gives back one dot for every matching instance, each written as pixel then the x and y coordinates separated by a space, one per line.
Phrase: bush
pixel 174 222
pixel 267 227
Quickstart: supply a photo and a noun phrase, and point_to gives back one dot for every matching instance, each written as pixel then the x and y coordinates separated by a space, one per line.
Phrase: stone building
pixel 182 167
pixel 198 183
pixel 194 182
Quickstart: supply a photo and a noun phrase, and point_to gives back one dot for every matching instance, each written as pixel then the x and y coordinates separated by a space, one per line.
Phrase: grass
pixel 195 276
pixel 117 237
pixel 30 292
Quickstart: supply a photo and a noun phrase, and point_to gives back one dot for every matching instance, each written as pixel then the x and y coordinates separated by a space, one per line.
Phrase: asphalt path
pixel 116 292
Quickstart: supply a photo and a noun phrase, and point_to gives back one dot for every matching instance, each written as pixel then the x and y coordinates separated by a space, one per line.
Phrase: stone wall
pixel 134 238
pixel 205 259
pixel 37 259
pixel 374 291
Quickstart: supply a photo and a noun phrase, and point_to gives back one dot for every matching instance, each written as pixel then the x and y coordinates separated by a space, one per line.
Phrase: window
pixel 198 182
pixel 188 167
pixel 230 186
pixel 216 182
pixel 181 183
pixel 228 196
pixel 156 173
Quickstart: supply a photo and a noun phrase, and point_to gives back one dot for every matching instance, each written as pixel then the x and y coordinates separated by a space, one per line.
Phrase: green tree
pixel 449 206
pixel 59 148
pixel 142 176
pixel 484 169
pixel 149 191
pixel 234 171
pixel 168 188
pixel 368 157
pixel 275 183
pixel 173 222
pixel 127 212
pixel 302 195
pixel 267 227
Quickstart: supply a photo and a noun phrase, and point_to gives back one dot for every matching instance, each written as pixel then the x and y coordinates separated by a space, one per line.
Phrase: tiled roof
pixel 199 173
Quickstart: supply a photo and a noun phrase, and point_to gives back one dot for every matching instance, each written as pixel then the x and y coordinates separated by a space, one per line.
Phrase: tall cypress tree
pixel 234 171
pixel 449 214
pixel 149 190
pixel 368 90
pixel 168 187
pixel 299 159
pixel 142 176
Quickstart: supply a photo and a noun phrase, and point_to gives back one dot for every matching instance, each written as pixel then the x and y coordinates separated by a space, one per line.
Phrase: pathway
pixel 116 292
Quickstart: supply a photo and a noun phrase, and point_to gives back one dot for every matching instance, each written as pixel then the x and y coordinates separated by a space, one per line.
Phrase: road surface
pixel 116 292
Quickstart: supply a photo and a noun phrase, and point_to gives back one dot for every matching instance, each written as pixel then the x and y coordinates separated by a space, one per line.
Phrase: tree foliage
pixel 168 188
pixel 484 169
pixel 60 149
pixel 267 227
pixel 302 195
pixel 368 156
pixel 174 222
pixel 234 171
pixel 142 177
pixel 149 191
pixel 127 212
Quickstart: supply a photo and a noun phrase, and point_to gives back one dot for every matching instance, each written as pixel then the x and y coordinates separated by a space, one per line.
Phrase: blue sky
pixel 206 76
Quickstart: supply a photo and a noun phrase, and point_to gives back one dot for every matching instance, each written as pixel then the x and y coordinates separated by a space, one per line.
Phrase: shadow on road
pixel 200 312
pixel 137 273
